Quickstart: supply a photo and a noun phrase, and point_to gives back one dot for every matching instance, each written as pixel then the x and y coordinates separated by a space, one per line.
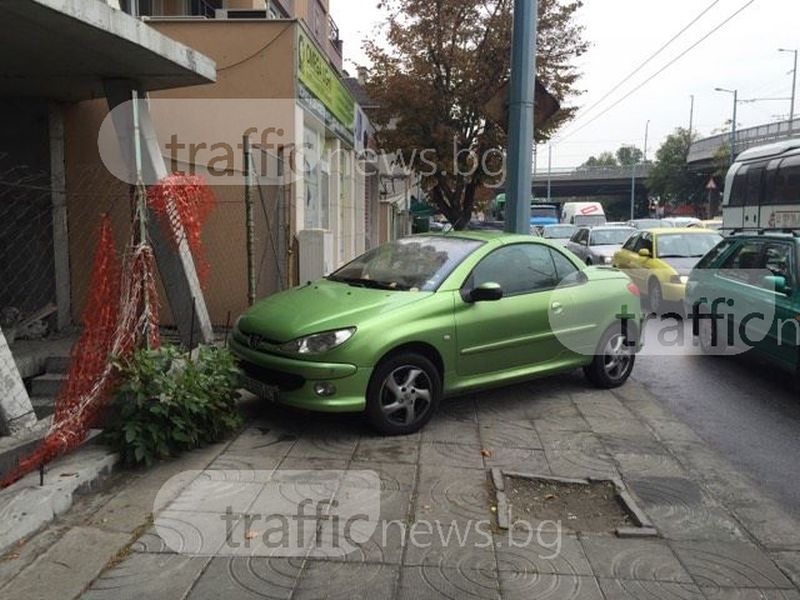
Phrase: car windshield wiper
pixel 368 283
pixel 675 256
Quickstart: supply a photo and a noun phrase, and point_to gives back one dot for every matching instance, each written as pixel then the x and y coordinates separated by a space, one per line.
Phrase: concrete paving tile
pixel 247 578
pixel 391 477
pixel 147 577
pixel 313 464
pixel 634 466
pixel 768 523
pixel 561 425
pixel 579 442
pixel 629 443
pixel 246 462
pixel 731 564
pixel 461 492
pixel 266 440
pixel 545 586
pixel 434 583
pixel 451 431
pixel 451 455
pixel 667 491
pixel 644 560
pixel 695 523
pixel 544 409
pixel 385 545
pixel 789 563
pixel 528 551
pixel 581 465
pixel 749 594
pixel 627 589
pixel 333 446
pixel 672 430
pixel 346 581
pixel 495 435
pixel 390 450
pixel 214 492
pixel 63 570
pixel 519 460
pixel 448 541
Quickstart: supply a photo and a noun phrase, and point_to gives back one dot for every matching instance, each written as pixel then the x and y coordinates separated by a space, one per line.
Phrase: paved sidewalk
pixel 719 537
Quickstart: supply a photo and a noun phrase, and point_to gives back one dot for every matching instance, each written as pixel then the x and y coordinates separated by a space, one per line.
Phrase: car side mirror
pixel 777 283
pixel 645 253
pixel 486 292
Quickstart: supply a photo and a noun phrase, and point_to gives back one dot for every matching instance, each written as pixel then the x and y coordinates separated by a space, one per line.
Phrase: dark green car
pixel 414 320
pixel 744 296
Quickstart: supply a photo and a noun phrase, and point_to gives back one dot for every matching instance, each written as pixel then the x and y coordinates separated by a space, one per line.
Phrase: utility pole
pixel 549 170
pixel 794 86
pixel 691 117
pixel 520 117
pixel 733 123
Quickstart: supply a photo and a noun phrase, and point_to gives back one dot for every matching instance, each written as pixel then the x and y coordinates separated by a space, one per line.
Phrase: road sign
pixel 711 185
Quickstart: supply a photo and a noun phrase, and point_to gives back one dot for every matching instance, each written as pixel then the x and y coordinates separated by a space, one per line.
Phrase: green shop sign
pixel 317 76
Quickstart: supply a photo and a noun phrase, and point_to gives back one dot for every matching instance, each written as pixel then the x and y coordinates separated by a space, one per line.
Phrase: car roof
pixel 665 230
pixel 487 235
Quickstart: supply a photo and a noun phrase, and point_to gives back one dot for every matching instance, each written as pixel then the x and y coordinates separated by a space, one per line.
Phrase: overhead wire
pixel 657 73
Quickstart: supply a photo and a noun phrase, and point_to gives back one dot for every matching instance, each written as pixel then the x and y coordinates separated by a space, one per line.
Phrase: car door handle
pixel 557 308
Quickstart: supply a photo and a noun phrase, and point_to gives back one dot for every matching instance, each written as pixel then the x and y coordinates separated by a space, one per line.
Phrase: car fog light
pixel 324 389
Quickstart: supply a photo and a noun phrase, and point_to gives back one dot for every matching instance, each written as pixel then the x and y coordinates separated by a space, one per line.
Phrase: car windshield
pixel 685 245
pixel 559 232
pixel 610 237
pixel 409 264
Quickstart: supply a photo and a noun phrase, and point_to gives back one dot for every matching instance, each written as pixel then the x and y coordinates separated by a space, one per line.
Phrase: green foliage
pixel 670 178
pixel 604 159
pixel 169 403
pixel 629 155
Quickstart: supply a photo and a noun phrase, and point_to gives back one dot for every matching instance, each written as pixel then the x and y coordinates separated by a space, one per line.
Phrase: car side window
pixel 630 245
pixel 644 242
pixel 745 263
pixel 564 267
pixel 519 269
pixel 779 261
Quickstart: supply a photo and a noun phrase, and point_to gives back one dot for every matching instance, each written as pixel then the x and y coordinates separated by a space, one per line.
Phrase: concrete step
pixel 12 449
pixel 57 364
pixel 48 384
pixel 43 406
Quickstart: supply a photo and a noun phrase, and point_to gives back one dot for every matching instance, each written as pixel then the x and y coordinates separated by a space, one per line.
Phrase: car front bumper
pixel 673 292
pixel 295 380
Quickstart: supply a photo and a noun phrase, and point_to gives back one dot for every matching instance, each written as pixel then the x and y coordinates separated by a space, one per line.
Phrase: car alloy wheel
pixel 403 394
pixel 614 360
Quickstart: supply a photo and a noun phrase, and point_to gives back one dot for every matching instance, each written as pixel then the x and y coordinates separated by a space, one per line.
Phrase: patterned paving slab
pixel 543 551
pixel 626 589
pixel 749 594
pixel 645 560
pixel 543 586
pixel 346 581
pixel 668 491
pixel 729 565
pixel 463 493
pixel 248 578
pixel 451 455
pixel 695 523
pixel 497 435
pixel 433 583
pixel 391 450
pixel 146 577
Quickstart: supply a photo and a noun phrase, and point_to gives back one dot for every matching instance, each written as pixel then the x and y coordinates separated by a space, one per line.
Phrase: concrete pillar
pixel 16 412
pixel 58 181
pixel 176 265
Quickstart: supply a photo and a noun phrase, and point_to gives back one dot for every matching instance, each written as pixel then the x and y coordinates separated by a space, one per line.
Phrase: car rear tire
pixel 655 297
pixel 403 393
pixel 614 358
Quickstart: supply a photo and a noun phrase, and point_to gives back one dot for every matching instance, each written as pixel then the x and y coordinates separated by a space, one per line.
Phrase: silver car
pixel 597 245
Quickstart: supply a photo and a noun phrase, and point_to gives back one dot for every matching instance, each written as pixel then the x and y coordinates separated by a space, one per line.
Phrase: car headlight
pixel 318 343
pixel 679 279
pixel 607 260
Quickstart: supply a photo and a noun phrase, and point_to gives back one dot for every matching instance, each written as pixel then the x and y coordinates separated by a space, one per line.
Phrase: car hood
pixel 682 266
pixel 320 306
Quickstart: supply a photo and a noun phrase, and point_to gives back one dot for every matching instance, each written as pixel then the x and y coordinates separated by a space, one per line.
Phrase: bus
pixel 762 188
pixel 543 214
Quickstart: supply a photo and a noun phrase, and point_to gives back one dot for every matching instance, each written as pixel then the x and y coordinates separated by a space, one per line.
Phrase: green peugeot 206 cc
pixel 411 321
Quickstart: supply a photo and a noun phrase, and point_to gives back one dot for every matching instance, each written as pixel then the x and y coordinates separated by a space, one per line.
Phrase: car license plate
pixel 259 388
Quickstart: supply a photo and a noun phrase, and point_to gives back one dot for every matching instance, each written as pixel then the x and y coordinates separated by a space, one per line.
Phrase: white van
pixel 583 213
pixel 762 188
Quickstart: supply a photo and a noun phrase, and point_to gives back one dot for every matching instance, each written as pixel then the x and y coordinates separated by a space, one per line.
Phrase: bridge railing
pixel 745 138
pixel 585 173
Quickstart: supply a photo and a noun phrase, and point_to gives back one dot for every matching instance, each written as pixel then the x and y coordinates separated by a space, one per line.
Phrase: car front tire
pixel 614 359
pixel 655 297
pixel 403 393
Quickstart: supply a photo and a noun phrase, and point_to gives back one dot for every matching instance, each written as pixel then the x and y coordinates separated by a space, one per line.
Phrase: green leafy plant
pixel 169 402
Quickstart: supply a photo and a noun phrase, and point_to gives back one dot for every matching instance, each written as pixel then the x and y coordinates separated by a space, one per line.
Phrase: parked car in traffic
pixel 745 294
pixel 398 328
pixel 597 245
pixel 558 233
pixel 659 261
pixel 680 221
pixel 715 224
pixel 649 223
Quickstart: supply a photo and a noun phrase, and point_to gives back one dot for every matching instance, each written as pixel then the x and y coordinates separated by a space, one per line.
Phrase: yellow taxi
pixel 659 261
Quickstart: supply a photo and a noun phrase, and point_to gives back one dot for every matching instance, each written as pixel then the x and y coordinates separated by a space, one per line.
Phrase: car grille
pixel 285 381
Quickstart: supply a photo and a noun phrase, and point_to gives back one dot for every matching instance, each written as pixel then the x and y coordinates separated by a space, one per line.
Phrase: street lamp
pixel 733 121
pixel 794 85
pixel 633 171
